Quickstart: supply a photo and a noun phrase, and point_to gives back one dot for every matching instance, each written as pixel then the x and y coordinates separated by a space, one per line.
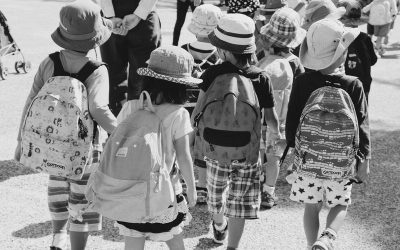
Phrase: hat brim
pixel 311 62
pixel 337 14
pixel 189 81
pixel 283 41
pixel 100 38
pixel 199 31
pixel 234 48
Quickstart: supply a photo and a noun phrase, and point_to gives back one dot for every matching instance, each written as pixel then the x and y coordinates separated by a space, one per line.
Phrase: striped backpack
pixel 58 131
pixel 327 136
pixel 227 121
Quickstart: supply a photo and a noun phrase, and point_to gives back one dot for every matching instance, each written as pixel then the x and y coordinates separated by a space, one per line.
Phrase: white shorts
pixel 310 190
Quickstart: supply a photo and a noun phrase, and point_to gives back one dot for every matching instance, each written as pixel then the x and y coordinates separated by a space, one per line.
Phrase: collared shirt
pixel 142 11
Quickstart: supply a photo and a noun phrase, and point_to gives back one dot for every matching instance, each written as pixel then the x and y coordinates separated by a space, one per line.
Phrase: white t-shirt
pixel 176 123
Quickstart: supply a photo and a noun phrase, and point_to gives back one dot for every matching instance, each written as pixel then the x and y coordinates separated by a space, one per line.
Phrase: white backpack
pixel 58 131
pixel 380 13
pixel 132 183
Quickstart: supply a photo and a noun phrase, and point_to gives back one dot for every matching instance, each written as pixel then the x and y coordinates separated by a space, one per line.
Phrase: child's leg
pixel 311 222
pixel 272 170
pixel 176 243
pixel 58 190
pixel 235 232
pixel 336 217
pixel 132 243
pixel 78 240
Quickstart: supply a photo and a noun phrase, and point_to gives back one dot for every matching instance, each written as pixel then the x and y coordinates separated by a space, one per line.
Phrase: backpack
pixel 58 131
pixel 132 183
pixel 380 13
pixel 227 121
pixel 281 76
pixel 327 136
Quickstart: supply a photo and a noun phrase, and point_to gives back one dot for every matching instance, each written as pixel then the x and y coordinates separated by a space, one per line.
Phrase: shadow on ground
pixel 11 168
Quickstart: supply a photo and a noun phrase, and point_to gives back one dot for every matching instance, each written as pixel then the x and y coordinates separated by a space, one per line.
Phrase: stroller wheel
pixel 18 66
pixel 26 66
pixel 3 72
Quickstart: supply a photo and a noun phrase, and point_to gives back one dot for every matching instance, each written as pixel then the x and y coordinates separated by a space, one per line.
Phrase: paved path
pixel 24 221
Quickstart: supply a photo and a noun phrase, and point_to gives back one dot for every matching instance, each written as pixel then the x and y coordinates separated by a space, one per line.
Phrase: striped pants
pixel 65 198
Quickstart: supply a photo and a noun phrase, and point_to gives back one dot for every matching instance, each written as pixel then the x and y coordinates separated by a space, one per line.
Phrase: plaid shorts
pixel 234 189
pixel 312 191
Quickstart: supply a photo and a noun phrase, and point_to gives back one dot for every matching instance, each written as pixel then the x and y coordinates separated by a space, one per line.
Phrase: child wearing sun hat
pixel 233 181
pixel 279 36
pixel 81 29
pixel 324 51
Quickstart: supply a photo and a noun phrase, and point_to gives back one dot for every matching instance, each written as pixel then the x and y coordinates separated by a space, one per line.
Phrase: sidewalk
pixel 25 223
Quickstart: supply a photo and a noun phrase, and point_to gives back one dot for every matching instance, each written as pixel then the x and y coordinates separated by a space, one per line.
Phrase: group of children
pixel 237 169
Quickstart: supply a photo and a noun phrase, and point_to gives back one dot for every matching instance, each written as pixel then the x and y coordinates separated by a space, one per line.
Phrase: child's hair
pixel 174 93
pixel 244 59
pixel 277 50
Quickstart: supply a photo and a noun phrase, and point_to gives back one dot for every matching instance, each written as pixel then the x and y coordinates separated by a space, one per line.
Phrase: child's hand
pixel 130 21
pixel 362 170
pixel 191 196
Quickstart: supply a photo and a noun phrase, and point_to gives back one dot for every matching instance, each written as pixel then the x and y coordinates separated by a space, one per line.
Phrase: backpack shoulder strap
pixel 58 68
pixel 87 70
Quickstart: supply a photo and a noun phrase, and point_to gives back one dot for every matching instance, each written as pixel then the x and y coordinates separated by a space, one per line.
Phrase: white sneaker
pixel 59 241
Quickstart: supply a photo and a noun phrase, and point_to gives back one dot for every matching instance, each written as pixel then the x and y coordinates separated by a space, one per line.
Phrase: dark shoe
pixel 55 248
pixel 268 200
pixel 220 236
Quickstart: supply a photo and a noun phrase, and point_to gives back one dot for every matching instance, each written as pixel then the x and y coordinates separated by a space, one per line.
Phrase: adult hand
pixel 130 21
pixel 117 27
pixel 363 170
pixel 191 196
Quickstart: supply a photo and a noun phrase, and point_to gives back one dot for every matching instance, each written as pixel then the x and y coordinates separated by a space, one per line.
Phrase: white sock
pixel 60 240
pixel 222 227
pixel 268 189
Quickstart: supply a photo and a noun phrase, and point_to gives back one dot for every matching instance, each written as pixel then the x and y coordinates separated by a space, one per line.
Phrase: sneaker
pixel 201 195
pixel 55 248
pixel 268 200
pixel 59 241
pixel 220 236
pixel 325 242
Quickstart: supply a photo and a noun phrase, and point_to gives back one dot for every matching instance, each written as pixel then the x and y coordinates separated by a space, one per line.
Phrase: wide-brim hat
pixel 171 63
pixel 320 9
pixel 204 19
pixel 81 27
pixel 283 29
pixel 234 33
pixel 326 41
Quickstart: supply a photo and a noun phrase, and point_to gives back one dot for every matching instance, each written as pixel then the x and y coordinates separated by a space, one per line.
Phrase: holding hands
pixel 122 26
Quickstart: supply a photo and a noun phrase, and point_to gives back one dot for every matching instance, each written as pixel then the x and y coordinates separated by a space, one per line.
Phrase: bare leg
pixel 78 240
pixel 176 243
pixel 311 222
pixel 235 232
pixel 336 217
pixel 132 243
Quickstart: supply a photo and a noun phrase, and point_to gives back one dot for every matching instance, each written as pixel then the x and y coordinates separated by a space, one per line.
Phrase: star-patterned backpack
pixel 227 121
pixel 58 131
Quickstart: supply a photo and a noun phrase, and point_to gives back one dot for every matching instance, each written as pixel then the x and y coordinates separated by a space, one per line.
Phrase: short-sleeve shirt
pixel 259 78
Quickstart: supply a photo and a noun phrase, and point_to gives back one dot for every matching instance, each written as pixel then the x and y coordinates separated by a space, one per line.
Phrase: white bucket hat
pixel 205 18
pixel 326 41
pixel 320 9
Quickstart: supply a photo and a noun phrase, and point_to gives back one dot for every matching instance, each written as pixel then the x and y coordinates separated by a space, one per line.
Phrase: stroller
pixel 8 48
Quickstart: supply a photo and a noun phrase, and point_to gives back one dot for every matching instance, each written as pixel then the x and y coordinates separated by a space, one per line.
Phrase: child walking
pixel 166 79
pixel 381 15
pixel 322 174
pixel 81 29
pixel 231 150
pixel 279 36
pixel 205 18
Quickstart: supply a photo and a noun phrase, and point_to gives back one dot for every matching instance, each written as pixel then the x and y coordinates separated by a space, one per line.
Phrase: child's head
pixel 81 27
pixel 353 16
pixel 168 74
pixel 283 30
pixel 234 38
pixel 326 44
pixel 320 9
pixel 205 18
